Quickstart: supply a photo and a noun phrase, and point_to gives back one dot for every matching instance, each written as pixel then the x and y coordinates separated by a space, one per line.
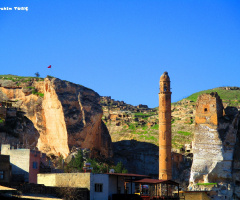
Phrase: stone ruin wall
pixel 208 109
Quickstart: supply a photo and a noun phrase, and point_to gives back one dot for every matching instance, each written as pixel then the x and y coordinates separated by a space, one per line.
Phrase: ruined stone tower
pixel 165 135
pixel 209 109
pixel 216 148
pixel 208 152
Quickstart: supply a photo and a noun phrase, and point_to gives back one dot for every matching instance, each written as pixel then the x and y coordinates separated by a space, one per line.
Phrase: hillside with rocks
pixel 127 122
pixel 134 132
pixel 140 123
pixel 51 115
pixel 58 116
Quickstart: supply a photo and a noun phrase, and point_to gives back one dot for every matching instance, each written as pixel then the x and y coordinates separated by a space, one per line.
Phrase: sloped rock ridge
pixel 63 114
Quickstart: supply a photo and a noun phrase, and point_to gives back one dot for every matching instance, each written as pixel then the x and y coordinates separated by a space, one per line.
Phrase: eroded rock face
pixel 207 145
pixel 67 115
pixel 215 140
pixel 18 130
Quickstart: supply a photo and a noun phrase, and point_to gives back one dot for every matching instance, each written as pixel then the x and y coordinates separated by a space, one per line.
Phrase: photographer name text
pixel 14 8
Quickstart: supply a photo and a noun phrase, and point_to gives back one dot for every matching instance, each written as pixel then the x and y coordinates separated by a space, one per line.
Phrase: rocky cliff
pixel 62 114
pixel 214 146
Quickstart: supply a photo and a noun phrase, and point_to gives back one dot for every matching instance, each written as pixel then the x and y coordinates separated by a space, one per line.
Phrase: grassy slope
pixel 229 96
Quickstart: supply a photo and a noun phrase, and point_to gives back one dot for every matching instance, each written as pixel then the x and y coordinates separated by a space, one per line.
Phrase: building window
pixel 165 88
pixel 35 165
pixel 1 175
pixel 98 187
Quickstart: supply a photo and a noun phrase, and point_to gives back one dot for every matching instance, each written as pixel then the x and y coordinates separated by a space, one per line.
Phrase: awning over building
pixel 156 181
pixel 166 189
pixel 127 175
pixel 130 178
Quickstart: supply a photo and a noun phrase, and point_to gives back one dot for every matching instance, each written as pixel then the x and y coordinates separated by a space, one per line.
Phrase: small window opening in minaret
pixel 165 87
pixel 205 110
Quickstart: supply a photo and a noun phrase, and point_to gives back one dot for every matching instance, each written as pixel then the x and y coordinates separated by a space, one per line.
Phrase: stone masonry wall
pixel 81 180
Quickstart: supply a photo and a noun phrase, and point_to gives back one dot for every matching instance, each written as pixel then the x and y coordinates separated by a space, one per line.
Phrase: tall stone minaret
pixel 165 133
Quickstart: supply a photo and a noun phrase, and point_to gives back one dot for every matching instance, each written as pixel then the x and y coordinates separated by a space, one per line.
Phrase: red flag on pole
pixel 49 66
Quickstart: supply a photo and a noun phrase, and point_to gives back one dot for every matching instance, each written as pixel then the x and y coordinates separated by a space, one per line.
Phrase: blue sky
pixel 120 48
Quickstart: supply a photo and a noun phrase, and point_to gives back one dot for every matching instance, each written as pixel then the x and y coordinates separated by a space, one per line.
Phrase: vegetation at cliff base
pixel 119 168
pixel 77 163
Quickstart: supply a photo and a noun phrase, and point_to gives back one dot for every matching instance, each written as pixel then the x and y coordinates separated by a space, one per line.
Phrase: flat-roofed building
pixel 25 163
pixel 101 186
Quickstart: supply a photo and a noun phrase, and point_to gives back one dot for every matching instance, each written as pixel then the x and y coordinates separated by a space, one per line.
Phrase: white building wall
pixel 19 160
pixel 99 179
pixel 113 184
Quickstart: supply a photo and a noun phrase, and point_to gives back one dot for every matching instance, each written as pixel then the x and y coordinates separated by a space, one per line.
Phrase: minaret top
pixel 165 84
pixel 164 77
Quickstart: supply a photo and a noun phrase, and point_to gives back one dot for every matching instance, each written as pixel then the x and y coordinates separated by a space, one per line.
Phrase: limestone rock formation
pixel 215 142
pixel 63 113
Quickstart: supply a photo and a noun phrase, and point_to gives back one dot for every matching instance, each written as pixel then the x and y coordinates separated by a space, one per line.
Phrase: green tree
pixel 76 164
pixel 94 165
pixel 119 168
pixel 98 167
pixel 37 74
pixel 60 162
